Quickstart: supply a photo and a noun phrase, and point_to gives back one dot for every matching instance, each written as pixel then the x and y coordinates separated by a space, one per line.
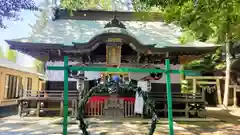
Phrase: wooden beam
pixel 205 77
pixel 205 82
pixel 219 92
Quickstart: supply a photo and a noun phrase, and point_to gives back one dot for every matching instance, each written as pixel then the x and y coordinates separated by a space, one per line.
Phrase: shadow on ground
pixel 9 110
pixel 229 124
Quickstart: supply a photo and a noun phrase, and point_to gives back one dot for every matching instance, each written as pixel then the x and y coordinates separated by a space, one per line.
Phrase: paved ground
pixel 230 125
pixel 14 125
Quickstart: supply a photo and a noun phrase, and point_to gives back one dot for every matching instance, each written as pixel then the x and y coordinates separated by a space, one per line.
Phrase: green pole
pixel 169 96
pixel 65 110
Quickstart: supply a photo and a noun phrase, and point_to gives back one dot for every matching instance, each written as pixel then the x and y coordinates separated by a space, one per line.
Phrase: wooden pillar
pixel 38 105
pixel 20 108
pixel 235 96
pixel 38 108
pixel 219 92
pixel 61 106
pixel 195 86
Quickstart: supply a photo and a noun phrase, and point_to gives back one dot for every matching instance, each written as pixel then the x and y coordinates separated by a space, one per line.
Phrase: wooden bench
pixel 47 100
pixel 193 104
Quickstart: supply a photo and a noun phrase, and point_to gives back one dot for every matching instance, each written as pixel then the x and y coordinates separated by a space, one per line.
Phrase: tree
pixel 12 55
pixel 42 18
pixel 9 9
pixel 39 66
pixel 215 20
pixel 87 4
pixel 208 63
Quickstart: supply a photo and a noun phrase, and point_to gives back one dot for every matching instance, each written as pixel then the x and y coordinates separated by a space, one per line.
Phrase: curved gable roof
pixel 81 31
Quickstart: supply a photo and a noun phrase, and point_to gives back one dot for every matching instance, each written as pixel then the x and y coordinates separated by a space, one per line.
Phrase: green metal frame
pixel 167 71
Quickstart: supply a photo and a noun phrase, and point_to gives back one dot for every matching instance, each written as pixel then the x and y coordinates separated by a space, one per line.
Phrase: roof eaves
pixel 11 65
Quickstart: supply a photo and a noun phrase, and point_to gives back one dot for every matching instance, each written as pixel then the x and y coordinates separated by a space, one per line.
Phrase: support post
pixel 219 95
pixel 65 97
pixel 194 86
pixel 235 96
pixel 169 96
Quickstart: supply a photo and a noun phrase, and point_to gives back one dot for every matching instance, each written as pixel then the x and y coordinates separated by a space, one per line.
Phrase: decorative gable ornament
pixel 115 23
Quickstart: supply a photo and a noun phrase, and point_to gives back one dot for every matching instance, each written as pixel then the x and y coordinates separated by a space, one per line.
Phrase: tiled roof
pixel 81 31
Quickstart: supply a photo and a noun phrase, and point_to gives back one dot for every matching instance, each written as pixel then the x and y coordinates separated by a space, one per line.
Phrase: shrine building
pixel 109 39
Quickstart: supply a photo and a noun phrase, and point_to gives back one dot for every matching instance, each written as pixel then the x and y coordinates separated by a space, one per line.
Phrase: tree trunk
pixel 227 76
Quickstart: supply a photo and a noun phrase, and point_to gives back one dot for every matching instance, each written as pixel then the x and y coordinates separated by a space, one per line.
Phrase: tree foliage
pixel 208 63
pixel 39 66
pixel 214 21
pixel 200 19
pixel 12 55
pixel 217 20
pixel 9 9
pixel 42 18
pixel 87 4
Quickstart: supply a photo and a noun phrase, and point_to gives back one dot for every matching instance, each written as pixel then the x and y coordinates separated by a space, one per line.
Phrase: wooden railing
pixel 129 108
pixel 95 106
pixel 193 104
pixel 46 100
pixel 52 100
pixel 47 93
pixel 207 80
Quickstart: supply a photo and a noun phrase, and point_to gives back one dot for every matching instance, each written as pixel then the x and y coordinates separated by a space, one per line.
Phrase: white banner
pixel 53 75
pixel 175 78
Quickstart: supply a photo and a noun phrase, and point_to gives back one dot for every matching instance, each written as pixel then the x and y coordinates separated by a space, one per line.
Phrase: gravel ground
pixel 229 125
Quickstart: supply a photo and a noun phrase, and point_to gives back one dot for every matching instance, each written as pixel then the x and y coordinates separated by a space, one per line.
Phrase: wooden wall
pixel 35 85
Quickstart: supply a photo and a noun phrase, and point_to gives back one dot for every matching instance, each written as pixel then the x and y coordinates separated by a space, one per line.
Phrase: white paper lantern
pixel 144 85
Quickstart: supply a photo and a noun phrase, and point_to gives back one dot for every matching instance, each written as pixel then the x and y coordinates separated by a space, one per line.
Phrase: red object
pixel 147 78
pixel 100 99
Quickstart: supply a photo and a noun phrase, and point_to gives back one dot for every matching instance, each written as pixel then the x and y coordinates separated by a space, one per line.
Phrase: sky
pixel 19 29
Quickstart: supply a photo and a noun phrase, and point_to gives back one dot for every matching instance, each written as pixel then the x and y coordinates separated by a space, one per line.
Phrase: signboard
pixel 114 41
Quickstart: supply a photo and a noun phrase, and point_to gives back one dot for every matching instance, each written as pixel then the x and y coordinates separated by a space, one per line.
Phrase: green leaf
pixel 39 66
pixel 12 55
